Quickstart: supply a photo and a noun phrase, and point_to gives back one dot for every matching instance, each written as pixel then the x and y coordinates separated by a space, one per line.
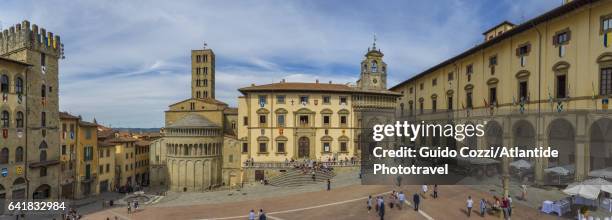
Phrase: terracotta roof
pixel 143 143
pixel 88 124
pixel 193 121
pixel 499 25
pixel 207 100
pixel 121 139
pixel 105 144
pixel 310 87
pixel 556 12
pixel 106 133
pixel 66 115
pixel 230 111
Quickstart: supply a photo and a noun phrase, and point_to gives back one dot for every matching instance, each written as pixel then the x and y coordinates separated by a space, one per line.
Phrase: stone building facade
pixel 34 88
pixel 545 82
pixel 194 152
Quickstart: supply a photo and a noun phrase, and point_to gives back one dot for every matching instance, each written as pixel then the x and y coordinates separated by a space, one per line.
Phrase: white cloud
pixel 128 60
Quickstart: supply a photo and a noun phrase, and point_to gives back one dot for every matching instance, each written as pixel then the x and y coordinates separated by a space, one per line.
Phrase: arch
pixel 303 147
pixel 601 144
pixel 43 145
pixel 494 134
pixel 263 138
pixel 327 138
pixel 492 81
pixel 343 138
pixel 42 192
pixel 281 138
pixel 522 74
pixel 327 111
pixel 374 66
pixel 604 57
pixel 19 119
pixel 4 83
pixel 561 65
pixel 18 85
pixel 19 181
pixel 4 155
pixel 344 112
pixel 263 111
pixel 281 111
pixel 19 154
pixel 6 122
pixel 561 137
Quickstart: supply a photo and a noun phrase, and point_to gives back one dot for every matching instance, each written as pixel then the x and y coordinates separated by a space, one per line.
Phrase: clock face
pixel 374 81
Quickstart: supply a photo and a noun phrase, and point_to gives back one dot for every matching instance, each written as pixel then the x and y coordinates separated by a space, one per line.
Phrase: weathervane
pixel 374 44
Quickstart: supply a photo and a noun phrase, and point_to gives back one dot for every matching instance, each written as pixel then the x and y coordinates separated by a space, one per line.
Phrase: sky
pixel 126 61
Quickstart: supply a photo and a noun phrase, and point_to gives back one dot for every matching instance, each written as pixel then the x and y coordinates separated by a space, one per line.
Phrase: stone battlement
pixel 28 36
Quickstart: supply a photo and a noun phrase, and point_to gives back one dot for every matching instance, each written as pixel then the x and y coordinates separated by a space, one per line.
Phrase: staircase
pixel 295 177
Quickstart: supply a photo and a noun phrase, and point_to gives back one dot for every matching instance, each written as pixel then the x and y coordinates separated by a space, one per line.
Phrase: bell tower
pixel 203 73
pixel 373 70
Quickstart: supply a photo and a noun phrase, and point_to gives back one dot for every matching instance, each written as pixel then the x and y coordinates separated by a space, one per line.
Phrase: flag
pixel 607 38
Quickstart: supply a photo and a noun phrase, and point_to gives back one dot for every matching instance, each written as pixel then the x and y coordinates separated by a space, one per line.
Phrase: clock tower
pixel 373 70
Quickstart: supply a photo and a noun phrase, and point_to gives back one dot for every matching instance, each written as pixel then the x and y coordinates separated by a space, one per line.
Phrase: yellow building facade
pixel 321 121
pixel 79 157
pixel 545 82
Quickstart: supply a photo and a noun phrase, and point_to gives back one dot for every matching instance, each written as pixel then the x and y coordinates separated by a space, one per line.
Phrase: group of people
pixel 396 199
pixel 259 216
pixel 132 206
pixel 504 205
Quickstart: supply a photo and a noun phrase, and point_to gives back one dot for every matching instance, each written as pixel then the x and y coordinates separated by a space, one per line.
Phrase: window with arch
pixel 19 119
pixel 43 91
pixel 4 83
pixel 43 145
pixel 19 154
pixel 4 156
pixel 19 85
pixel 43 119
pixel 5 119
pixel 374 66
pixel 43 155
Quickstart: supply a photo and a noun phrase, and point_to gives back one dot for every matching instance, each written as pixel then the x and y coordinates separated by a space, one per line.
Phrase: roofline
pixel 15 61
pixel 499 25
pixel 384 92
pixel 556 12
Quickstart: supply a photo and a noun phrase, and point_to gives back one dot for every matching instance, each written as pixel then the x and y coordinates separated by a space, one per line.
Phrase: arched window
pixel 19 119
pixel 4 83
pixel 43 155
pixel 43 145
pixel 43 119
pixel 374 66
pixel 4 155
pixel 5 119
pixel 43 91
pixel 19 85
pixel 19 154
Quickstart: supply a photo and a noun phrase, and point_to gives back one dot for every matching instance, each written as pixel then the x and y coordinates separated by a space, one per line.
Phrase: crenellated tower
pixel 42 51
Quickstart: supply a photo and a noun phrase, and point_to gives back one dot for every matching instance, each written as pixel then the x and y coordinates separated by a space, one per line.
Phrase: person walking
pixel 509 206
pixel 505 207
pixel 399 180
pixel 524 192
pixel 416 199
pixel 328 184
pixel 381 210
pixel 483 207
pixel 369 203
pixel 402 200
pixel 470 204
pixel 129 207
pixel 435 193
pixel 252 215
pixel 262 215
pixel 425 189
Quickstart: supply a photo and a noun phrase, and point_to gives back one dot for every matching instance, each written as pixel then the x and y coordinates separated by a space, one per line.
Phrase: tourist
pixel 509 206
pixel 262 215
pixel 504 207
pixel 129 207
pixel 377 203
pixel 402 200
pixel 435 193
pixel 399 180
pixel 369 203
pixel 314 177
pixel 425 190
pixel 524 192
pixel 328 185
pixel 252 215
pixel 470 203
pixel 416 199
pixel 381 210
pixel 483 207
